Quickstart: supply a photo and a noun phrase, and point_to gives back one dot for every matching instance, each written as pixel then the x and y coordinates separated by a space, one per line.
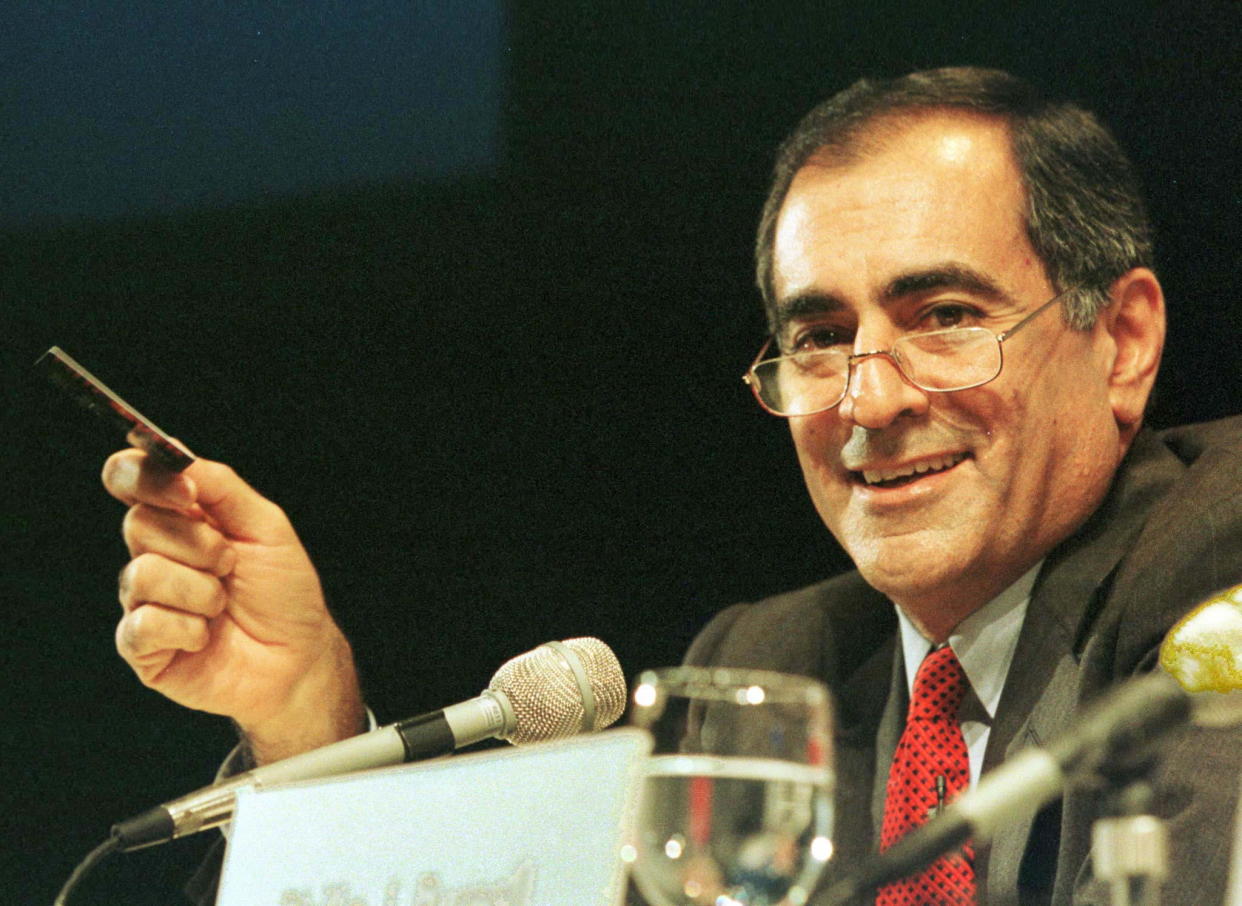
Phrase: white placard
pixel 543 824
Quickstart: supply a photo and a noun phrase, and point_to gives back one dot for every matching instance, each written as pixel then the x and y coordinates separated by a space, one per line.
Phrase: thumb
pixel 237 509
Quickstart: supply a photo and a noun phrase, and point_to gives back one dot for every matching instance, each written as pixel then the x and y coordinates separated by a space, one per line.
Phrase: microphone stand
pixel 1130 846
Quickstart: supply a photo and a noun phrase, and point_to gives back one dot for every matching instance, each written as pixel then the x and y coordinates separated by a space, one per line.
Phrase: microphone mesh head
pixel 544 693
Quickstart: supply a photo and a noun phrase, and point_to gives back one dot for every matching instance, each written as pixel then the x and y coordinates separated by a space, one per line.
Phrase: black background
pixel 503 409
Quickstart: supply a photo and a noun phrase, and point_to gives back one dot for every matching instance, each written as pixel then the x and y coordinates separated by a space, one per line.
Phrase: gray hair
pixel 1085 217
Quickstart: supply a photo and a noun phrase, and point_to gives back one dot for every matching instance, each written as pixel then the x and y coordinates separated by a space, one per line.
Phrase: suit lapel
pixel 1041 692
pixel 892 724
pixel 860 736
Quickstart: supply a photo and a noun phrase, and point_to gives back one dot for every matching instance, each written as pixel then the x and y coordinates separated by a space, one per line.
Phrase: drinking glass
pixel 737 801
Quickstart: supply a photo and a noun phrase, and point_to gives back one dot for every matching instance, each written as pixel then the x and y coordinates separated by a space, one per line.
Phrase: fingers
pixel 150 636
pixel 151 578
pixel 205 487
pixel 167 607
pixel 239 510
pixel 131 477
pixel 149 529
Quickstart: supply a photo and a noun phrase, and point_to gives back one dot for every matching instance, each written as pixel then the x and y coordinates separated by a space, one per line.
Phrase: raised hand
pixel 223 610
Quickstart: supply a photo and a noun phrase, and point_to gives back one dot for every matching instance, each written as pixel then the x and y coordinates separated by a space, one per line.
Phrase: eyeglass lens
pixel 808 382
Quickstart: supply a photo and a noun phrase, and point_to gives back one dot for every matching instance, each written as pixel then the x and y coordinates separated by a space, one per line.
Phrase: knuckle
pixel 144 631
pixel 125 585
pixel 138 628
pixel 225 561
pixel 215 544
pixel 140 577
pixel 127 638
pixel 135 525
pixel 197 636
pixel 219 600
pixel 272 514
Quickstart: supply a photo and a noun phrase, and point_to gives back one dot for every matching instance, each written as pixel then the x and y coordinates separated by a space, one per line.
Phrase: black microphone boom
pixel 555 691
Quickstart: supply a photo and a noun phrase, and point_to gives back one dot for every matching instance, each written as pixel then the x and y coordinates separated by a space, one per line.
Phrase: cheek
pixel 807 438
pixel 809 447
pixel 1051 429
pixel 1035 399
pixel 817 445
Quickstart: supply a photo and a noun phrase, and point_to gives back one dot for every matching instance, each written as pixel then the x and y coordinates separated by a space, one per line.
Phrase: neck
pixel 936 614
pixel 935 626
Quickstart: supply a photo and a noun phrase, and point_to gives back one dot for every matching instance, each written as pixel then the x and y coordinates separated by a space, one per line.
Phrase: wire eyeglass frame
pixel 755 382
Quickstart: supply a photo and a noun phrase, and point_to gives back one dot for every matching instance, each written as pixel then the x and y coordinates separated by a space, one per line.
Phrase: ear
pixel 1134 319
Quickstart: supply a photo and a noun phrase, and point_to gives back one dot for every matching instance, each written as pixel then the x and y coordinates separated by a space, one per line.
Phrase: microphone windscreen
pixel 1203 651
pixel 546 696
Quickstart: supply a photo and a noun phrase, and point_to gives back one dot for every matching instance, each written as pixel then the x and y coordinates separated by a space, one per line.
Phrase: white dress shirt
pixel 984 643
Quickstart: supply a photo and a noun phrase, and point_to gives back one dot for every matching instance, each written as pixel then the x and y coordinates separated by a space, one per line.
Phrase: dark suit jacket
pixel 1168 535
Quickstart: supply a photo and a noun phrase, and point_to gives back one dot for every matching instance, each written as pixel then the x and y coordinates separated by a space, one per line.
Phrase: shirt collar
pixel 984 642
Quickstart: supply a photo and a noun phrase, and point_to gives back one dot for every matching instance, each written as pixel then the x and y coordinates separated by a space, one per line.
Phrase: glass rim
pixel 789 687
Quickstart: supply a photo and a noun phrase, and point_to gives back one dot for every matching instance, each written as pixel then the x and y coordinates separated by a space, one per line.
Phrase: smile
pixel 889 478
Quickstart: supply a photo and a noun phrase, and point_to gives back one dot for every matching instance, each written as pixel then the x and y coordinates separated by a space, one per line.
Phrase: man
pixel 966 330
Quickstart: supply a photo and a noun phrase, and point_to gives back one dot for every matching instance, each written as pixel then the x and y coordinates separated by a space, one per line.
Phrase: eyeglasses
pixel 940 361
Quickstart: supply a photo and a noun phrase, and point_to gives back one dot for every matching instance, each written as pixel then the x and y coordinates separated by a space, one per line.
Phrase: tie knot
pixel 939 686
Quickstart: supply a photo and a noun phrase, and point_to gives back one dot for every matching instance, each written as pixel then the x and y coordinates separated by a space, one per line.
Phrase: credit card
pixel 93 394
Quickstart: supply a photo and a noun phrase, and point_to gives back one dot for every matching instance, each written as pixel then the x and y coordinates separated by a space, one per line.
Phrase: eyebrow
pixel 948 275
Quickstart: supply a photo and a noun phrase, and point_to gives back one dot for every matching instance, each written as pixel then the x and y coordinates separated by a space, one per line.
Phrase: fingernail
pixel 124 473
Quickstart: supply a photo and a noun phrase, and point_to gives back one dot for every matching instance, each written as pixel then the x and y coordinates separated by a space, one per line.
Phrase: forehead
pixel 942 188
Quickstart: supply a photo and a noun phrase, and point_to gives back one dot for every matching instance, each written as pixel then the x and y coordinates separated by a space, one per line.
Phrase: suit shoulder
pixel 1220 437
pixel 836 622
pixel 1190 543
pixel 1203 500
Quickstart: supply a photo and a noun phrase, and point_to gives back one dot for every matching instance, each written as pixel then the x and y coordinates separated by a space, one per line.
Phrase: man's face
pixel 941 499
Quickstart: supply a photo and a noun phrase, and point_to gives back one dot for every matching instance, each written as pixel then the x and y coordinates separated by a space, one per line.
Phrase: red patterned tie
pixel 929 767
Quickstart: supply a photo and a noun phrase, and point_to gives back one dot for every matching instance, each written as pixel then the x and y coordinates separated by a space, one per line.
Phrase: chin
pixel 905 569
pixel 905 575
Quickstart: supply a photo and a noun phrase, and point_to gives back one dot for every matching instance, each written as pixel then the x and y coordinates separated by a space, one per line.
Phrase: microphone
pixel 1203 650
pixel 552 692
pixel 1118 726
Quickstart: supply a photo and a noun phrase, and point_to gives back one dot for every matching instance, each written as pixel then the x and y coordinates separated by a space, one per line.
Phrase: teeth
pixel 874 476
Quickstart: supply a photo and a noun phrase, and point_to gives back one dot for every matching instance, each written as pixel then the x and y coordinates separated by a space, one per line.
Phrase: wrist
pixel 323 706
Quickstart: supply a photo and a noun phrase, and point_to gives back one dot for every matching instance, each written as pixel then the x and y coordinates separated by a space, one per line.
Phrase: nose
pixel 878 393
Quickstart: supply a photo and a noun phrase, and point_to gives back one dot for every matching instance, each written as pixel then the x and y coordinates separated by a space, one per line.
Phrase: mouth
pixel 908 474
